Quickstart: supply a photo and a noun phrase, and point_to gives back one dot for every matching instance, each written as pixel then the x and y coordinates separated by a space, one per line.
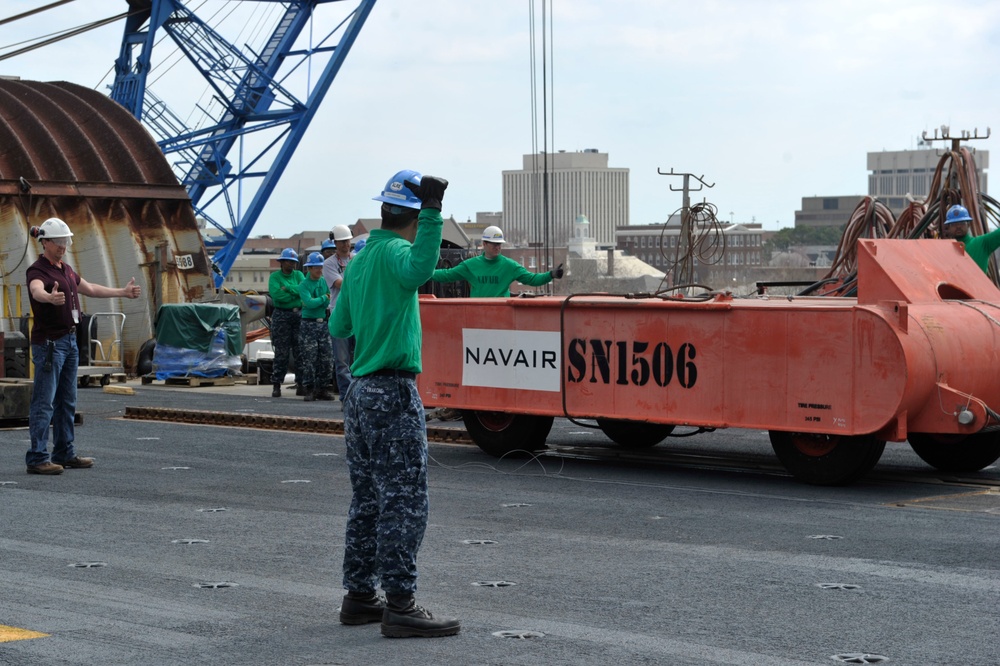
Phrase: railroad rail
pixel 664 457
pixel 272 422
pixel 654 457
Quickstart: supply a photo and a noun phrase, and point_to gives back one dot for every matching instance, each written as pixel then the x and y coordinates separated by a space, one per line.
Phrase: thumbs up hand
pixel 132 290
pixel 57 297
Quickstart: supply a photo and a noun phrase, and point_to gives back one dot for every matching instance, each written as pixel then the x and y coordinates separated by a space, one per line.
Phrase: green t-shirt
pixel 981 247
pixel 315 297
pixel 378 298
pixel 491 278
pixel 284 289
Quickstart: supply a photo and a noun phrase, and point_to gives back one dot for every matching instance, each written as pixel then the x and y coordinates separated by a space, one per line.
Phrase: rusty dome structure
pixel 70 152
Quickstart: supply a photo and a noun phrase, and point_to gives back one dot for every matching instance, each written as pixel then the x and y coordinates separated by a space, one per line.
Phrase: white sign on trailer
pixel 527 360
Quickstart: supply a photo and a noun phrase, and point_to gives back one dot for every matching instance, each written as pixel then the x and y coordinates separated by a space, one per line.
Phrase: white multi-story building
pixel 578 183
pixel 894 174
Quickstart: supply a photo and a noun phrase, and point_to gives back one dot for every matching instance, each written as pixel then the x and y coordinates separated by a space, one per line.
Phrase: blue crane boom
pixel 260 112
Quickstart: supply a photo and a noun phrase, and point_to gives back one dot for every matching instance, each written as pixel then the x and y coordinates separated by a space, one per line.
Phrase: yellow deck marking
pixel 8 634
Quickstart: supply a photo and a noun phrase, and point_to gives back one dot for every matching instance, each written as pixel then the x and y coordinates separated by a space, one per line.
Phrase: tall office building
pixel 897 173
pixel 579 183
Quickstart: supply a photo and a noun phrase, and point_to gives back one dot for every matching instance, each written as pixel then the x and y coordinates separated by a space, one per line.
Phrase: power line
pixel 32 12
pixel 542 219
pixel 66 35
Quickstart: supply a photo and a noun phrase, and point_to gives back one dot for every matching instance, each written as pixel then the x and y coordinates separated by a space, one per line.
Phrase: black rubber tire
pixel 826 460
pixel 144 358
pixel 264 367
pixel 957 454
pixel 14 365
pixel 500 434
pixel 634 434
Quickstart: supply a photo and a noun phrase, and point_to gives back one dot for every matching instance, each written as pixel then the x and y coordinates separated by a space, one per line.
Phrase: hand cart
pixel 103 342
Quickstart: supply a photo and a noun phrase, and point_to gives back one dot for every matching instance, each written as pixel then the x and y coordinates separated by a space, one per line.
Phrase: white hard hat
pixel 54 228
pixel 493 234
pixel 342 232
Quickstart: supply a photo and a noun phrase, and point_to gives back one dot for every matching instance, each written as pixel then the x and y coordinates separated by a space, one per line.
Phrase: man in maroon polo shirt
pixel 54 292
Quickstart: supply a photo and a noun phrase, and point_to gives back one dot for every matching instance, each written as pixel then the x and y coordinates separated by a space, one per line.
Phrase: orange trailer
pixel 832 379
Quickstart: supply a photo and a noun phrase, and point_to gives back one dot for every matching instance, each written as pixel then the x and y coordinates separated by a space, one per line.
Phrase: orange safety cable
pixel 959 184
pixel 258 334
pixel 908 221
pixel 870 219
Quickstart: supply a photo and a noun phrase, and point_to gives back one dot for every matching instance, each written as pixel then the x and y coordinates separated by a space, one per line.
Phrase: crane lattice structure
pixel 262 99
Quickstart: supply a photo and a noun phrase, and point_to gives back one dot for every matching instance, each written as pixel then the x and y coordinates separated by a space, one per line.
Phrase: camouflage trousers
pixel 314 364
pixel 284 339
pixel 387 458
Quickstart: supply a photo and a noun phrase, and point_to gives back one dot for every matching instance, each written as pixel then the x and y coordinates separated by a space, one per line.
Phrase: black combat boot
pixel 403 618
pixel 361 608
pixel 276 393
pixel 323 395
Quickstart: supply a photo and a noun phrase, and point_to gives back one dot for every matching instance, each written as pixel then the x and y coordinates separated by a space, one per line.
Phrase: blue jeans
pixel 53 401
pixel 342 364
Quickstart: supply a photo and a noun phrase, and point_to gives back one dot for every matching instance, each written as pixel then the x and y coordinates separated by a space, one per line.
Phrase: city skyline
pixel 770 101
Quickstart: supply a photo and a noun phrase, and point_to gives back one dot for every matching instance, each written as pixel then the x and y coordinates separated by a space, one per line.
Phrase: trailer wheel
pixel 634 434
pixel 826 460
pixel 957 454
pixel 500 434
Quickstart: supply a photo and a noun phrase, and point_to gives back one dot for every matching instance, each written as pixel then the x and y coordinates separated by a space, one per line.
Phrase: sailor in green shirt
pixel 979 248
pixel 384 427
pixel 283 288
pixel 490 274
pixel 316 360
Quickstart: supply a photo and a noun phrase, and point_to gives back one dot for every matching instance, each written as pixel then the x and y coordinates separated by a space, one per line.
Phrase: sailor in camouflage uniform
pixel 283 288
pixel 315 353
pixel 383 415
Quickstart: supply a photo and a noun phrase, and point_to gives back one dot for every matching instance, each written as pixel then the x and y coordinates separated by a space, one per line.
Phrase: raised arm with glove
pixel 430 191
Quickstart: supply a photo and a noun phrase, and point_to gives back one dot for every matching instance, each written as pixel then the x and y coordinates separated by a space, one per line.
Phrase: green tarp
pixel 194 326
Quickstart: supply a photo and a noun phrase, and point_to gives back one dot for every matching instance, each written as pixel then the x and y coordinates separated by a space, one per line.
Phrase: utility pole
pixel 685 249
pixel 953 179
pixel 956 141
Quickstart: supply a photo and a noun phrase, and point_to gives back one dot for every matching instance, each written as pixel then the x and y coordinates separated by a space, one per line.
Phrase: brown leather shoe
pixel 77 462
pixel 45 468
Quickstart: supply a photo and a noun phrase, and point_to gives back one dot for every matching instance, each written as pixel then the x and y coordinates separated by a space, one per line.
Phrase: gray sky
pixel 771 100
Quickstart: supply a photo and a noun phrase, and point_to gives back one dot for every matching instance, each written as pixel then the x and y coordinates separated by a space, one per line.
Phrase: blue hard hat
pixel 360 245
pixel 328 245
pixel 288 254
pixel 957 213
pixel 315 259
pixel 398 194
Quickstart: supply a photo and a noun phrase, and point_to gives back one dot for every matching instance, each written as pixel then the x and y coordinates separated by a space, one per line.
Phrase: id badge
pixel 76 316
